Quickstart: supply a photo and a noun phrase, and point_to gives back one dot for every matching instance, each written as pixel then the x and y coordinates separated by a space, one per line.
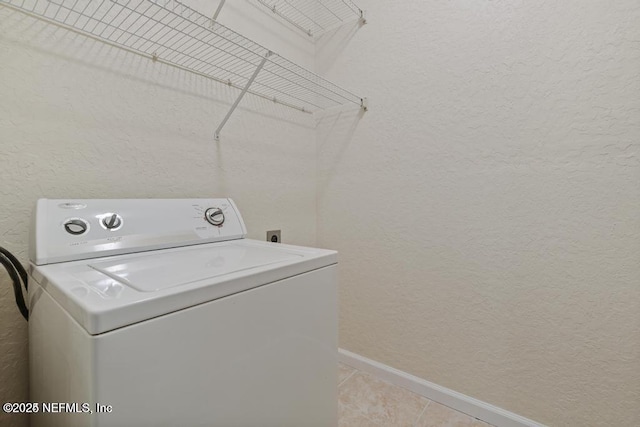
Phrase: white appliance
pixel 161 313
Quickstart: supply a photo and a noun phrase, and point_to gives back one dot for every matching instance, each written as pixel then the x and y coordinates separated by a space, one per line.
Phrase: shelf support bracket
pixel 364 104
pixel 239 98
pixel 363 16
pixel 215 15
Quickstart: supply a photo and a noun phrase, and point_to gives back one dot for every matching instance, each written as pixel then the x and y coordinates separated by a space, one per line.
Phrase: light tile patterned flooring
pixel 366 401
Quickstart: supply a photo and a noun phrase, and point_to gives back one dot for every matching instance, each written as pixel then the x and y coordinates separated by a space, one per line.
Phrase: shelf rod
pixel 246 88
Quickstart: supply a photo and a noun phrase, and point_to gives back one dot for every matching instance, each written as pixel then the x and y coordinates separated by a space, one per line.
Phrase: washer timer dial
pixel 76 226
pixel 214 216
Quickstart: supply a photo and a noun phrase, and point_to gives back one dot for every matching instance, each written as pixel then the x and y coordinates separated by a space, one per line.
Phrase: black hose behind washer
pixel 18 276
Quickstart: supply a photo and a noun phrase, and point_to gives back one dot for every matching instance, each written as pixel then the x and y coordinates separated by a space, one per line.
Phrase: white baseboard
pixel 458 401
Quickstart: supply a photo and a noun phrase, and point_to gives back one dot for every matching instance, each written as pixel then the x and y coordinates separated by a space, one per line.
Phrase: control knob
pixel 76 226
pixel 111 221
pixel 214 216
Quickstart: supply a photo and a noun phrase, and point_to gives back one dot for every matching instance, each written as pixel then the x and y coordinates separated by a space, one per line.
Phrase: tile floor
pixel 366 401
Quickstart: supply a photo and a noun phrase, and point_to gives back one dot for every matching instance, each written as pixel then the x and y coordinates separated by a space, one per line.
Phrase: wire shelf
pixel 314 17
pixel 171 32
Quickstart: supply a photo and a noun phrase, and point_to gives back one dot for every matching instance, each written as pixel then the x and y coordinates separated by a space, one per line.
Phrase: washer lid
pixel 159 271
pixel 108 293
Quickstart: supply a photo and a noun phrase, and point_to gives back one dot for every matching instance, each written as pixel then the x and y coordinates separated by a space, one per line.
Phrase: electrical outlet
pixel 273 236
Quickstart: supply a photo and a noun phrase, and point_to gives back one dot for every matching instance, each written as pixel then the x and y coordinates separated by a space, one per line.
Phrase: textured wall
pixel 487 207
pixel 82 119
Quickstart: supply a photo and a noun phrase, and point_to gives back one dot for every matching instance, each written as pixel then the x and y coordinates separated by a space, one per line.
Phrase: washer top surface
pixel 113 263
pixel 108 293
pixel 158 271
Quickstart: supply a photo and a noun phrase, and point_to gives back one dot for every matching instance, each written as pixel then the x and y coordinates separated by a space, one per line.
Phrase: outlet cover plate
pixel 274 236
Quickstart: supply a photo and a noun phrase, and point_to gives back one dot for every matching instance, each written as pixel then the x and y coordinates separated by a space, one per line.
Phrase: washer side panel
pixel 60 363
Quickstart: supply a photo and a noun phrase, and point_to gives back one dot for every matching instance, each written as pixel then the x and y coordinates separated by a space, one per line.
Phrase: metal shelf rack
pixel 170 32
pixel 314 17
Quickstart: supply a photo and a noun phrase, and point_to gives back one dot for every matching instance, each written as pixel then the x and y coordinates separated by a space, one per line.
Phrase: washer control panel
pixel 67 230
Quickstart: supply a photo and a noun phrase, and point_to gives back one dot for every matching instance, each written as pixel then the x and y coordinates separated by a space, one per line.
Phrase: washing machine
pixel 161 313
